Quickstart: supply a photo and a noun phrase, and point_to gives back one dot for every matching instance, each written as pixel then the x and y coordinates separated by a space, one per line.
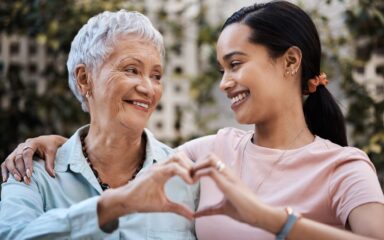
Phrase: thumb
pixel 179 209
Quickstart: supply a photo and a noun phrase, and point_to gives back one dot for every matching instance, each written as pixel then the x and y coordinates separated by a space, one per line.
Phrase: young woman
pixel 297 156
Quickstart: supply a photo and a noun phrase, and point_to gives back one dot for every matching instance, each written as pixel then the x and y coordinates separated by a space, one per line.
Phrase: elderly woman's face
pixel 127 86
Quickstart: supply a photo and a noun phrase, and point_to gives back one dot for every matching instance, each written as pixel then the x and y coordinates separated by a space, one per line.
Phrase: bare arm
pixel 19 162
pixel 241 204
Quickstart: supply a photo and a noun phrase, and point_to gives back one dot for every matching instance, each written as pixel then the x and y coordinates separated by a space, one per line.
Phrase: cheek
pixel 158 92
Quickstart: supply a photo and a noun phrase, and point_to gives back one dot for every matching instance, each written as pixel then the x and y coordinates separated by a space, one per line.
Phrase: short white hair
pixel 95 42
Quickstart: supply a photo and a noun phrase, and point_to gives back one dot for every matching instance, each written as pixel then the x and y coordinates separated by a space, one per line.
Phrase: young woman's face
pixel 251 78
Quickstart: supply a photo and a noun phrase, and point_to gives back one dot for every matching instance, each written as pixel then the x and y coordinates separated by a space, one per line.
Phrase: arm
pixel 19 162
pixel 241 204
pixel 356 196
pixel 23 214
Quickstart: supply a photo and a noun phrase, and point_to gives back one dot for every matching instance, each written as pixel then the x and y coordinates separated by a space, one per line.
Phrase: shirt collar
pixel 70 155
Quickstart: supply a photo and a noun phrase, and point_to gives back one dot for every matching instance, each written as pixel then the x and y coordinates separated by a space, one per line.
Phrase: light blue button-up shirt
pixel 65 207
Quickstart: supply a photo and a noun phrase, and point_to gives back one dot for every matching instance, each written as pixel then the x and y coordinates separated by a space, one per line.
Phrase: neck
pixel 116 157
pixel 286 132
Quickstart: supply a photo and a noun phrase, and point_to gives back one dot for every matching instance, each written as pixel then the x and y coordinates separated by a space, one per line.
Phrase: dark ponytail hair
pixel 279 25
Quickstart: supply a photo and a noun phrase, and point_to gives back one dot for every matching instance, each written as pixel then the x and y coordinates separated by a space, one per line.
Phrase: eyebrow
pixel 231 54
pixel 131 58
pixel 137 60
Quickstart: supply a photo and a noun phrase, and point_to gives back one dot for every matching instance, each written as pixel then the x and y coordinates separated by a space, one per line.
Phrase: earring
pixel 293 72
pixel 87 94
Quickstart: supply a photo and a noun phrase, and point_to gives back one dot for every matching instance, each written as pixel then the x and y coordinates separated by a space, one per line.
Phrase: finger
pixel 179 209
pixel 185 159
pixel 211 210
pixel 19 164
pixel 29 151
pixel 208 161
pixel 50 162
pixel 4 172
pixel 221 179
pixel 10 166
pixel 182 159
pixel 4 169
pixel 173 169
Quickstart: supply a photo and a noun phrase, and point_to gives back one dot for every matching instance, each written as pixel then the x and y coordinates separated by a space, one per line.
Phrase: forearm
pixel 24 215
pixel 303 228
pixel 77 221
pixel 110 207
pixel 308 229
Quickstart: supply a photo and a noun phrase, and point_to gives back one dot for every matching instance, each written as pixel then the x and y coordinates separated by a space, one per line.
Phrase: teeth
pixel 239 97
pixel 141 104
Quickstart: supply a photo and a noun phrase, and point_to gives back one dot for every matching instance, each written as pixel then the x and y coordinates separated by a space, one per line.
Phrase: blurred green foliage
pixel 365 22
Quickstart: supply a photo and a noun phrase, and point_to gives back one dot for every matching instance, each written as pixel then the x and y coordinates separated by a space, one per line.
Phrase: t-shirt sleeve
pixel 198 148
pixel 353 183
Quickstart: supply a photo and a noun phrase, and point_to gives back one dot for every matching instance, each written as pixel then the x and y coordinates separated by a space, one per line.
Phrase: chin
pixel 243 120
pixel 134 123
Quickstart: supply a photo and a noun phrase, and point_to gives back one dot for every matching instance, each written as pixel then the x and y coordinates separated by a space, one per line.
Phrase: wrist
pixel 290 221
pixel 271 218
pixel 109 207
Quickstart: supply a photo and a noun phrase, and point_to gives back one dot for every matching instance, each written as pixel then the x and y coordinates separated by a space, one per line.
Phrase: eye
pixel 235 64
pixel 131 70
pixel 221 71
pixel 157 76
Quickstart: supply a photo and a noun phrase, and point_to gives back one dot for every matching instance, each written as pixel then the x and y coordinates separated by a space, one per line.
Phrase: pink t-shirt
pixel 322 180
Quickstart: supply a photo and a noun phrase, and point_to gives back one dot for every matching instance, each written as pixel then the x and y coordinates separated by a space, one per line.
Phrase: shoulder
pixel 224 138
pixel 231 138
pixel 228 134
pixel 341 155
pixel 232 133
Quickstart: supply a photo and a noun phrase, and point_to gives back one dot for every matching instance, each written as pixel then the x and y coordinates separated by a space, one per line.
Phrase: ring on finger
pixel 26 147
pixel 220 166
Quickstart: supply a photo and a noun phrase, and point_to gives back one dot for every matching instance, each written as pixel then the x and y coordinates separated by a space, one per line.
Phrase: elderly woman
pixel 115 71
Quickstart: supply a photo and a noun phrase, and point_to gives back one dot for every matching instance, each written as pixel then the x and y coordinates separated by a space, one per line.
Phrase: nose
pixel 226 83
pixel 146 87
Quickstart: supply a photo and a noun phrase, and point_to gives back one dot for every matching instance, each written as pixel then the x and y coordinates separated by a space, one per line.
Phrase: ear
pixel 82 79
pixel 292 60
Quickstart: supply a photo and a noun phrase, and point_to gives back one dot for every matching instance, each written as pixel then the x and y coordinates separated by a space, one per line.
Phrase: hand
pixel 146 192
pixel 239 201
pixel 19 162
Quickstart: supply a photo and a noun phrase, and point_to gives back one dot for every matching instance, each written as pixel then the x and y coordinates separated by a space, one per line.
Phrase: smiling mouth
pixel 239 98
pixel 140 105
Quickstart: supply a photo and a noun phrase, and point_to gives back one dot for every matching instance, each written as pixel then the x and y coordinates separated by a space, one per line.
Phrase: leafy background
pixel 26 112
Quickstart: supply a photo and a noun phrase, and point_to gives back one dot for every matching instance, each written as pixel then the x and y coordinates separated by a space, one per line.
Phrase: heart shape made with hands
pixel 157 186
